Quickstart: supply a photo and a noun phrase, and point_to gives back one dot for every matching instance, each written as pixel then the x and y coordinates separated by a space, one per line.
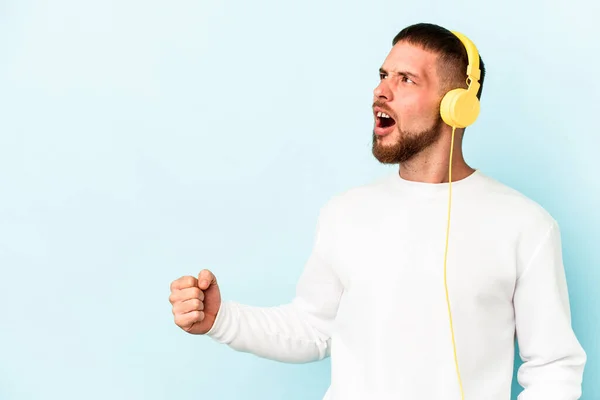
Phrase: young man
pixel 405 311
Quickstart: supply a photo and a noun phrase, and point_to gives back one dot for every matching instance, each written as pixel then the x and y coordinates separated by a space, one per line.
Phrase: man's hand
pixel 195 302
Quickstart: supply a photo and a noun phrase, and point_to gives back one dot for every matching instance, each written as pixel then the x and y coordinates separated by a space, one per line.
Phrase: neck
pixel 431 165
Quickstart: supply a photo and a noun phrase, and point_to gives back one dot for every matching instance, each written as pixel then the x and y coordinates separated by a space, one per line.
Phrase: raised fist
pixel 195 302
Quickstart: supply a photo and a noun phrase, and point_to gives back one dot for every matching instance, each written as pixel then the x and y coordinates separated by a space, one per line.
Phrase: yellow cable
pixel 445 262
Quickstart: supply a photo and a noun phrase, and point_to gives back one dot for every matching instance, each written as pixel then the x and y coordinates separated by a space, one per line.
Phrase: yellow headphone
pixel 460 108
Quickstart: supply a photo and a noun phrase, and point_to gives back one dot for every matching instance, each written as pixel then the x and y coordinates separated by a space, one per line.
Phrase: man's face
pixel 409 96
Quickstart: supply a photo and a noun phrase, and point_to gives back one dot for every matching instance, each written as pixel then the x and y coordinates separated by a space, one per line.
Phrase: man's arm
pixel 553 358
pixel 297 332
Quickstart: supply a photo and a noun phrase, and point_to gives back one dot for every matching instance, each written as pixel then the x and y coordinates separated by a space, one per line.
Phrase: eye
pixel 407 79
pixel 382 75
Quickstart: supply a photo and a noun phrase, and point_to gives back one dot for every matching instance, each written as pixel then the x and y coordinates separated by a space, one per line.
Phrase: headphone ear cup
pixel 459 108
pixel 447 106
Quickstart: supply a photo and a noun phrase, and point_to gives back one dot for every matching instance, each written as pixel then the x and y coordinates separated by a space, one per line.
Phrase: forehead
pixel 408 57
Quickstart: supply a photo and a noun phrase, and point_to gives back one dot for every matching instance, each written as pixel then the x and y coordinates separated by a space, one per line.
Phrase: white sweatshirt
pixel 372 297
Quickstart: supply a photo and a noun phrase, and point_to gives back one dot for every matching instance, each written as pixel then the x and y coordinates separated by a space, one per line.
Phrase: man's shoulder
pixel 510 202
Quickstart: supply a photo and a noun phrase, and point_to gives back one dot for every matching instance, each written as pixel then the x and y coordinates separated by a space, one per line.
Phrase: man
pixel 400 317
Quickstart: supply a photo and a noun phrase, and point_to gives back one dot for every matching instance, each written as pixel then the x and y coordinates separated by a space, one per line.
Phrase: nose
pixel 382 91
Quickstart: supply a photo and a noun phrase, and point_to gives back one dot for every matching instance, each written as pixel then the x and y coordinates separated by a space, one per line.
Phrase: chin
pixel 385 149
pixel 397 147
pixel 391 139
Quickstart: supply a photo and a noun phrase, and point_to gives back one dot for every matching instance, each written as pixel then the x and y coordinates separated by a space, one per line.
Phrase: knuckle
pixel 177 309
pixel 196 316
pixel 188 281
pixel 198 305
pixel 179 321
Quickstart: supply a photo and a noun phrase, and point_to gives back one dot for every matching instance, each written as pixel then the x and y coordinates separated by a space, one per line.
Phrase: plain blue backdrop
pixel 145 140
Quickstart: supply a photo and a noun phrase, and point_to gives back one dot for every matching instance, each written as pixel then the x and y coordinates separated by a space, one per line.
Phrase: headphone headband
pixel 473 71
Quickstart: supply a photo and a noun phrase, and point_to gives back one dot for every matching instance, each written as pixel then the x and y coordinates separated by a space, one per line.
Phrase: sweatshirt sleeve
pixel 297 332
pixel 553 359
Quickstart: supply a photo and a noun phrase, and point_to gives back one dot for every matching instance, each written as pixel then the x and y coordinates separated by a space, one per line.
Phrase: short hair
pixel 453 59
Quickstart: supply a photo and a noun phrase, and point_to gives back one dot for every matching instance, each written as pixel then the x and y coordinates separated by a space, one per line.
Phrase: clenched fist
pixel 195 302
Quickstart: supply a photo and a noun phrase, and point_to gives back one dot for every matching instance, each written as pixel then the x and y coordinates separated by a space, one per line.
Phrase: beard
pixel 409 144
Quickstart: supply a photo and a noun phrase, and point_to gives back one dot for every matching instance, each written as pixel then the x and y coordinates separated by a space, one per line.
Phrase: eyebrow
pixel 403 73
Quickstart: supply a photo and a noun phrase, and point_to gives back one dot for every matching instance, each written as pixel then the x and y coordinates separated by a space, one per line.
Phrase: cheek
pixel 417 114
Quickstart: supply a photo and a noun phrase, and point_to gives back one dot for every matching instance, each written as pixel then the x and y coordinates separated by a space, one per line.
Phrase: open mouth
pixel 384 120
pixel 384 123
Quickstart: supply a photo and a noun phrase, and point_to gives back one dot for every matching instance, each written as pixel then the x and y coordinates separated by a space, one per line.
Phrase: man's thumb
pixel 205 279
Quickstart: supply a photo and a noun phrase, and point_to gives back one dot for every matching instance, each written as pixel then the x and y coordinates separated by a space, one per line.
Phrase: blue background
pixel 145 140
